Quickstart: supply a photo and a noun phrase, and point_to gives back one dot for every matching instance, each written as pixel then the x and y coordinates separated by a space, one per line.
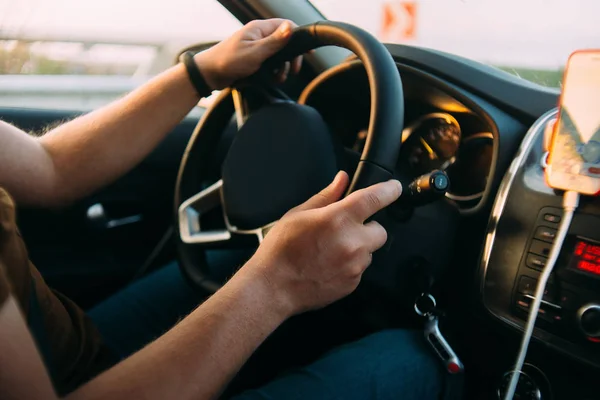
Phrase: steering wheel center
pixel 282 155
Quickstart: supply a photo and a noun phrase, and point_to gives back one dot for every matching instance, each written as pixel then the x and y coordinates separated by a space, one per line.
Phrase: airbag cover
pixel 282 155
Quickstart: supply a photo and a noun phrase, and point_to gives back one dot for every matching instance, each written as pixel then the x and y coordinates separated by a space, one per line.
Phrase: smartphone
pixel 574 159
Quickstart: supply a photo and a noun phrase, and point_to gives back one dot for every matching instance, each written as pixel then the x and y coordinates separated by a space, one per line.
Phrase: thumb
pixel 329 195
pixel 276 40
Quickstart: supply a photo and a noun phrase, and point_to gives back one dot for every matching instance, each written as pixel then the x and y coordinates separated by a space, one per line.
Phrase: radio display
pixel 586 257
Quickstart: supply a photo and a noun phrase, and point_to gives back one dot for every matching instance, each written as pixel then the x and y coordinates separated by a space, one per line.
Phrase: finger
pixel 330 194
pixel 283 72
pixel 275 41
pixel 296 65
pixel 266 27
pixel 363 262
pixel 375 234
pixel 365 202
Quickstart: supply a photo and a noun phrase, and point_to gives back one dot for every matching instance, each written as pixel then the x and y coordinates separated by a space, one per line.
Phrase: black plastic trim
pixel 515 95
pixel 504 144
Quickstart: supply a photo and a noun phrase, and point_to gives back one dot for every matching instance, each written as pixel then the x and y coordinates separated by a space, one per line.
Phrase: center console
pixel 570 307
pixel 520 234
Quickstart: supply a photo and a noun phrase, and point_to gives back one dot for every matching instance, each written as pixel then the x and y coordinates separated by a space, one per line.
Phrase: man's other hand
pixel 318 251
pixel 243 53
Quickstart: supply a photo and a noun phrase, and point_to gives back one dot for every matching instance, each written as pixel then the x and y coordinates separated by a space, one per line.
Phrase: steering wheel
pixel 283 152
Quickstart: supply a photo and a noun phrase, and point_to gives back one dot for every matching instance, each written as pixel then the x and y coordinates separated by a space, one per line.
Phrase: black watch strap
pixel 194 74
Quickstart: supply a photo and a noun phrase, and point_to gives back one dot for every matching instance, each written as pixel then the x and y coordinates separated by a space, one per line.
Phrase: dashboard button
pixel 540 248
pixel 589 320
pixel 526 285
pixel 524 304
pixel 569 301
pixel 549 314
pixel 536 262
pixel 546 234
pixel 555 219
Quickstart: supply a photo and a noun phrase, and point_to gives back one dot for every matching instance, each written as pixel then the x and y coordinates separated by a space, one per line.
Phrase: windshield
pixel 528 38
pixel 109 37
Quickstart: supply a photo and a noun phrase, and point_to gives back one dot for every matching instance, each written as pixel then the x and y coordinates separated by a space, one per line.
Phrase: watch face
pixel 591 152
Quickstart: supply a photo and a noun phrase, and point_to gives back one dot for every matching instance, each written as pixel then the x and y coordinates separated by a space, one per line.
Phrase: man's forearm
pixel 95 149
pixel 197 358
pixel 81 156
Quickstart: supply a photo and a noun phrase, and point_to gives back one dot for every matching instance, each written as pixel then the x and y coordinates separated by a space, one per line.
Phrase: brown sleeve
pixel 14 261
pixel 4 286
pixel 66 337
pixel 5 226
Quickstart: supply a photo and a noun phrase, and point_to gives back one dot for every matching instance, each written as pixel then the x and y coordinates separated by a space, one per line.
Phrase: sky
pixel 145 20
pixel 535 33
pixel 519 33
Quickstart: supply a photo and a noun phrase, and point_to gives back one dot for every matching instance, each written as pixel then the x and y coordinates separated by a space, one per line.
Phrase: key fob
pixel 441 346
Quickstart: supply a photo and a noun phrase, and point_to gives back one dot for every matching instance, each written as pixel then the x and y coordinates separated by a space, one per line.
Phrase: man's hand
pixel 243 53
pixel 313 256
pixel 317 252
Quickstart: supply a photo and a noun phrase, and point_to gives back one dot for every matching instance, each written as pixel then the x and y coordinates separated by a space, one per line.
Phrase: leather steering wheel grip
pixel 384 133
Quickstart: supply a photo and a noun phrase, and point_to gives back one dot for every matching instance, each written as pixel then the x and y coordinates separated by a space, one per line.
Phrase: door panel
pixel 96 245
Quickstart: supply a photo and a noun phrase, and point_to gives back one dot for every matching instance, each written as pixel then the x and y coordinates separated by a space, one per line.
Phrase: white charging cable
pixel 570 203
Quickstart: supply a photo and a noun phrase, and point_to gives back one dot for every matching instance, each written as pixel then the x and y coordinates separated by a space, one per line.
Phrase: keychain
pixel 425 306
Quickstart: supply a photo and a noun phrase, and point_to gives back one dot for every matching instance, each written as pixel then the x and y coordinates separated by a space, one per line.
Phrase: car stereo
pixel 519 237
pixel 586 256
pixel 571 304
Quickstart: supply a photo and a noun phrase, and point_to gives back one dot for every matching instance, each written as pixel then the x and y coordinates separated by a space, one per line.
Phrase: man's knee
pixel 402 362
pixel 387 365
pixel 399 349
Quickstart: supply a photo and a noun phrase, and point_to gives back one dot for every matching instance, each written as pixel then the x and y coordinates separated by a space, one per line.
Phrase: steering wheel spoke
pixel 260 233
pixel 191 211
pixel 190 227
pixel 250 95
pixel 240 105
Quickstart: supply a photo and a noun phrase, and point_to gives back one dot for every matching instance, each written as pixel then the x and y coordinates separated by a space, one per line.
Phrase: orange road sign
pixel 399 21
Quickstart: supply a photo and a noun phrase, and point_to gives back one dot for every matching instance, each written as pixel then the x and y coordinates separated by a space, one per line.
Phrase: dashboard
pixel 440 133
pixel 483 129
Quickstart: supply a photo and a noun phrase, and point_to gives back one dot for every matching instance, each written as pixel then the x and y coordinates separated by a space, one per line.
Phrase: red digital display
pixel 586 257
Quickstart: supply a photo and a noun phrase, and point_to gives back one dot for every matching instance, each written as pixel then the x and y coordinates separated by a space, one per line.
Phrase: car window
pixel 531 39
pixel 77 54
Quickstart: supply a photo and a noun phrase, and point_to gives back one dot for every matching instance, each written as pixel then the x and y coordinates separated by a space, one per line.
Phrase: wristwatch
pixel 194 74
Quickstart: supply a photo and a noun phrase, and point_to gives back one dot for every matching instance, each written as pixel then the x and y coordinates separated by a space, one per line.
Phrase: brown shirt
pixel 68 342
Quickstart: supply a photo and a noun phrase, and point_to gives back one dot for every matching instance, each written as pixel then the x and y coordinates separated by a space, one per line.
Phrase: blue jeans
pixel 394 364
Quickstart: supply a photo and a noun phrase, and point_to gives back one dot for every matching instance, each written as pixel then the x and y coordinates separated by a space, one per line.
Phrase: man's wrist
pixel 194 75
pixel 203 64
pixel 255 276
